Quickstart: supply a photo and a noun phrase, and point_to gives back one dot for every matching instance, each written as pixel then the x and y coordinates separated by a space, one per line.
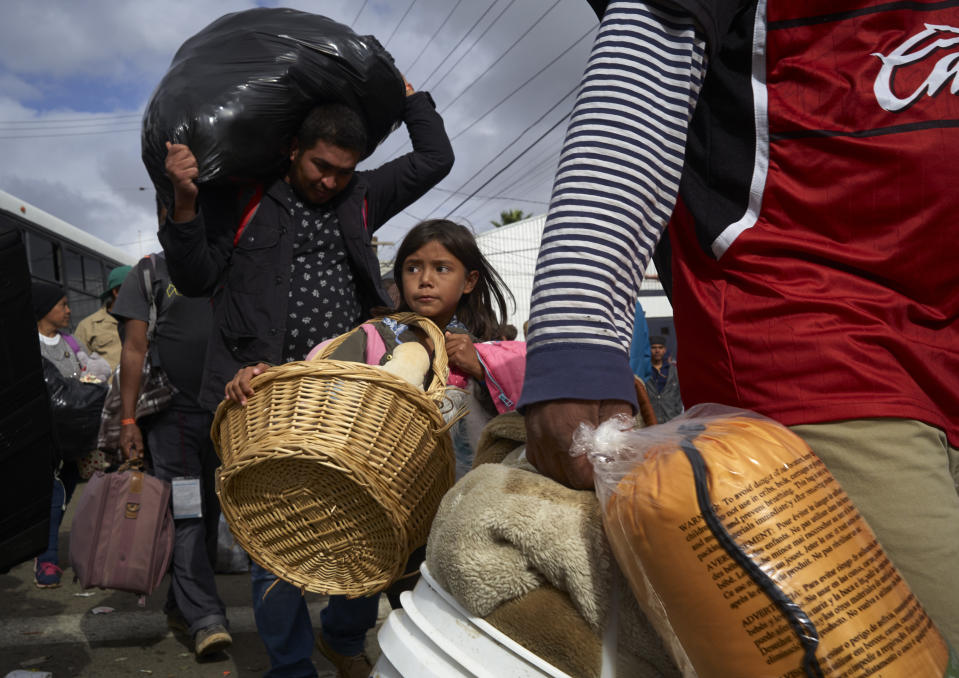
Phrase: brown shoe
pixel 355 666
pixel 212 639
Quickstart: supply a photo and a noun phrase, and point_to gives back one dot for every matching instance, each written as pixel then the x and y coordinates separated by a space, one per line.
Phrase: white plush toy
pixel 410 362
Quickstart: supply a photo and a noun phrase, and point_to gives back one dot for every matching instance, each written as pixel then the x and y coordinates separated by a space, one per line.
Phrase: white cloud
pixel 17 88
pixel 116 40
pixel 93 180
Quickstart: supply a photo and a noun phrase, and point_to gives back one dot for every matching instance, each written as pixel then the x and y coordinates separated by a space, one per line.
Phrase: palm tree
pixel 509 217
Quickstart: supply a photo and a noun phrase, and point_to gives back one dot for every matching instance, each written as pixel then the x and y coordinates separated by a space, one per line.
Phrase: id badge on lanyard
pixel 187 501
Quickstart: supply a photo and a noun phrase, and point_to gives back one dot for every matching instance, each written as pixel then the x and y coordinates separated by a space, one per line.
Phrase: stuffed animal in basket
pixel 410 363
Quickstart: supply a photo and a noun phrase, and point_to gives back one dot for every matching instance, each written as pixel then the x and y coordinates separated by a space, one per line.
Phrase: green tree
pixel 510 216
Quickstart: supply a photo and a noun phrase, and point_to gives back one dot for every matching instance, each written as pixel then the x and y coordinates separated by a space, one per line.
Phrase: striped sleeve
pixel 615 189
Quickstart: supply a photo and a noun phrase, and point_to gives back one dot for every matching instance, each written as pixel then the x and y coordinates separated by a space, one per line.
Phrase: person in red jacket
pixel 798 153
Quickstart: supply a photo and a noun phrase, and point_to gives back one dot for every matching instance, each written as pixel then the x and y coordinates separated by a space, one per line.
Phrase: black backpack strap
pixel 150 280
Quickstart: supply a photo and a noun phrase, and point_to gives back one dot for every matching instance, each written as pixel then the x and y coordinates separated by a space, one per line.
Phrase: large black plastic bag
pixel 76 407
pixel 237 91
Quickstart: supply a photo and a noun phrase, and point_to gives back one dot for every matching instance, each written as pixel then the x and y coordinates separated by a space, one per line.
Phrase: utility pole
pixel 376 242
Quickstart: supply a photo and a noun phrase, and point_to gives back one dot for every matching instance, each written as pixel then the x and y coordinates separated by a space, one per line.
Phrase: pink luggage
pixel 122 534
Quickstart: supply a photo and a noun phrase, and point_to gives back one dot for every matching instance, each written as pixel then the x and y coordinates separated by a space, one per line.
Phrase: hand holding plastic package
pixel 237 91
pixel 737 541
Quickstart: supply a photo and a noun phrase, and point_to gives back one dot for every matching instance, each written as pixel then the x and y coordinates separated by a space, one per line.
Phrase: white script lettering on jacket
pixel 943 71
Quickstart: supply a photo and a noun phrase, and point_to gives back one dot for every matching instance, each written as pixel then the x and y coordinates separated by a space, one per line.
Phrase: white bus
pixel 62 254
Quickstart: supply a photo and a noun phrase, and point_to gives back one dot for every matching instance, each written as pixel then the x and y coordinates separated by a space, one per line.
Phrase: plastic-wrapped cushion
pixel 237 91
pixel 739 543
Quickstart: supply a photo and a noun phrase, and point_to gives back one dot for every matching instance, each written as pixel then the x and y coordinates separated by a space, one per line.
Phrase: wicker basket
pixel 332 472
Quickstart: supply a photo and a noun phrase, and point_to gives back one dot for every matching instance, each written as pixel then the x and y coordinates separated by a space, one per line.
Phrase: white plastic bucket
pixel 434 637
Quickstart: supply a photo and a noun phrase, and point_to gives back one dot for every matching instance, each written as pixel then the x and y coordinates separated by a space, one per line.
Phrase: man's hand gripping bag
pixel 740 545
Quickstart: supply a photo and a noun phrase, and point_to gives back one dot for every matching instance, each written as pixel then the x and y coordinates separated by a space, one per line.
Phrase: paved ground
pixel 55 630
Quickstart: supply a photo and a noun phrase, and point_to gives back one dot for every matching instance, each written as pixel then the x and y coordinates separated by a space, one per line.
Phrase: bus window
pixel 73 266
pixel 94 277
pixel 81 305
pixel 43 257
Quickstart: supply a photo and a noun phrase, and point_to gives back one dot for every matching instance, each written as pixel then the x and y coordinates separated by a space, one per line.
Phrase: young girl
pixel 443 276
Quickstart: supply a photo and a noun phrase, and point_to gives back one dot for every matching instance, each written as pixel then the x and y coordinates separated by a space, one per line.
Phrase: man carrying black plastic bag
pixel 288 269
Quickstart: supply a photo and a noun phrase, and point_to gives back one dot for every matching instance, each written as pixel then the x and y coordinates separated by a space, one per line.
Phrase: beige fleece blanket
pixel 505 536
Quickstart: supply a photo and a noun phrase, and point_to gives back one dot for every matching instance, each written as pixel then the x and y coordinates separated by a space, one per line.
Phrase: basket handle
pixel 440 362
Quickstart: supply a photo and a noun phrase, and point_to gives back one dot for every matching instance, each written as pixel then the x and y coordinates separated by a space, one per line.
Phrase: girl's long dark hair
pixel 475 309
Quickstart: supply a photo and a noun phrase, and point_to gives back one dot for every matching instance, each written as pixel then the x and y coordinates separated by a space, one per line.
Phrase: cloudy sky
pixel 75 78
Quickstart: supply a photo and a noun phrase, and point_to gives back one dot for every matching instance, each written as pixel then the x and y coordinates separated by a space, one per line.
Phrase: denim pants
pixel 64 483
pixel 284 625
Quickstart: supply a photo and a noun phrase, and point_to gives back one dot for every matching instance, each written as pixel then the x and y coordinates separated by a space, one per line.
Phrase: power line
pixel 520 250
pixel 440 62
pixel 532 166
pixel 541 167
pixel 511 143
pixel 517 89
pixel 490 67
pixel 469 215
pixel 509 169
pixel 547 155
pixel 71 134
pixel 490 197
pixel 486 200
pixel 475 42
pixel 507 51
pixel 520 155
pixel 362 7
pixel 402 19
pixel 433 37
pixel 58 128
pixel 91 117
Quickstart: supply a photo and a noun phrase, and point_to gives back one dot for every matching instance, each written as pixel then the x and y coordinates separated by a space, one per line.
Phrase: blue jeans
pixel 64 483
pixel 284 625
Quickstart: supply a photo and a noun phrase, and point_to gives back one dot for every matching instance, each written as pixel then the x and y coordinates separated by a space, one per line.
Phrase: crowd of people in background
pixel 73 371
pixel 326 282
pixel 802 316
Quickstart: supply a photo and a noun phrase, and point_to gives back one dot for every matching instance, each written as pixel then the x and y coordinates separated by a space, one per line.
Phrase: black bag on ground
pixel 76 407
pixel 237 91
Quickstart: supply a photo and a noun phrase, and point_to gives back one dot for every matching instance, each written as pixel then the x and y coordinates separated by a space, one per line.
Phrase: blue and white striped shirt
pixel 614 192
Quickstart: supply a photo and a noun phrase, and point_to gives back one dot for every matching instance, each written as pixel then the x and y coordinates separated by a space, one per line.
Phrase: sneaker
pixel 175 621
pixel 355 666
pixel 211 639
pixel 46 575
